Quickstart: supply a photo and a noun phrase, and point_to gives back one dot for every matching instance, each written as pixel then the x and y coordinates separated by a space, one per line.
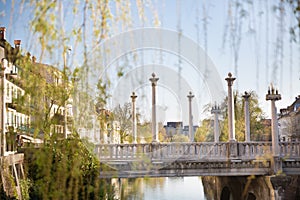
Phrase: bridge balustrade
pixel 253 150
pixel 190 151
pixel 194 151
pixel 290 149
pixel 206 158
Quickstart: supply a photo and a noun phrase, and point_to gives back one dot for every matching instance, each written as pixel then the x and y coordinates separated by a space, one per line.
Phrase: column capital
pixel 215 109
pixel 273 94
pixel 230 79
pixel 246 96
pixel 154 79
pixel 190 96
pixel 133 96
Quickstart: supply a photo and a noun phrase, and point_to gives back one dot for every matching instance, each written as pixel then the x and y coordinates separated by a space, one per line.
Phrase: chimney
pixel 33 59
pixel 17 44
pixel 2 33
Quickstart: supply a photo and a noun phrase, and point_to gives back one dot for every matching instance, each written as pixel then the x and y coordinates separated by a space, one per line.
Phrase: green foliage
pixel 204 132
pixel 256 118
pixel 257 128
pixel 66 169
pixel 44 87
pixel 144 132
pixel 25 185
pixel 180 138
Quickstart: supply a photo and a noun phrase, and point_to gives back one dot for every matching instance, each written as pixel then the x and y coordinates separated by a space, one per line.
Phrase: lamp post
pixel 154 80
pixel 190 97
pixel 134 132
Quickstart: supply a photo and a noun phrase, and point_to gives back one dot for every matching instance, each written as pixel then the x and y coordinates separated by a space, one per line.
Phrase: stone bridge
pixel 198 159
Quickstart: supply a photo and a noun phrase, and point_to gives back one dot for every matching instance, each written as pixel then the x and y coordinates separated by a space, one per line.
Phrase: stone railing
pixel 254 150
pixel 184 151
pixel 289 150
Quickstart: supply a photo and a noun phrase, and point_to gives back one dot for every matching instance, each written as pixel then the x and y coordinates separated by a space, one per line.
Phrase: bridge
pixel 197 159
pixel 216 158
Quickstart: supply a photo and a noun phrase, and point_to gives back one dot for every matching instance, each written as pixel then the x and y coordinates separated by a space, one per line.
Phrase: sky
pixel 265 53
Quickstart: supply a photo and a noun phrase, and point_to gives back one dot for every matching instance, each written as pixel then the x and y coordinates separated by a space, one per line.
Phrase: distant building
pixel 289 122
pixel 185 130
pixel 173 128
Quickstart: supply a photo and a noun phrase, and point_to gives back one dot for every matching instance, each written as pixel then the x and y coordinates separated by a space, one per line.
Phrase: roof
pixel 294 108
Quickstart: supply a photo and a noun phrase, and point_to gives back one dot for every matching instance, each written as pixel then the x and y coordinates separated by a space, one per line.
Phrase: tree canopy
pixel 258 129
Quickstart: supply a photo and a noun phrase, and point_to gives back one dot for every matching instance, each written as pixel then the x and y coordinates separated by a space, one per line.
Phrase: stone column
pixel 134 133
pixel 231 122
pixel 247 117
pixel 154 133
pixel 216 111
pixel 274 96
pixel 191 128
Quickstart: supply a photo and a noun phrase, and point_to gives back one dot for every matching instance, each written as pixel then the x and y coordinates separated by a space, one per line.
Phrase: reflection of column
pixel 191 129
pixel 216 111
pixel 247 117
pixel 154 83
pixel 231 127
pixel 274 96
pixel 133 97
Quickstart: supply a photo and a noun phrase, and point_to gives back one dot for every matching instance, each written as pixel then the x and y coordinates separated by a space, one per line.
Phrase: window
pixel 8 118
pixel 7 89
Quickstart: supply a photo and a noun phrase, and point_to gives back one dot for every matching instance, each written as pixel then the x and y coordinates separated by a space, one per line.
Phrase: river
pixel 160 188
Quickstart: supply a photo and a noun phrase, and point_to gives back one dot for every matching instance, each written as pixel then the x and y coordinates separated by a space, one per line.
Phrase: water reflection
pixel 160 188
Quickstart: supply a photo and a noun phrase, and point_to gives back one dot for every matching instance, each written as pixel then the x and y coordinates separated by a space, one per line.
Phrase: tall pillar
pixel 274 96
pixel 247 117
pixel 154 133
pixel 133 97
pixel 191 128
pixel 231 127
pixel 216 111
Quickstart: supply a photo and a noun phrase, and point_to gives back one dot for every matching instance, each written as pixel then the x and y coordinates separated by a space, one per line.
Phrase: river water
pixel 180 188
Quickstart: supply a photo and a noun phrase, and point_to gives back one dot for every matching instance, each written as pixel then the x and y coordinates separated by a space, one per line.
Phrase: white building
pixel 14 120
pixel 289 122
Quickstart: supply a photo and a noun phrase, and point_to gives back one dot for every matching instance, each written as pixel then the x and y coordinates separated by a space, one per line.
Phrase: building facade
pixel 289 122
pixel 13 118
pixel 16 104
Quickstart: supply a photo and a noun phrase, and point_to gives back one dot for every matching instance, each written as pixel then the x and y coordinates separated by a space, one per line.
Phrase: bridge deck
pixel 196 159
